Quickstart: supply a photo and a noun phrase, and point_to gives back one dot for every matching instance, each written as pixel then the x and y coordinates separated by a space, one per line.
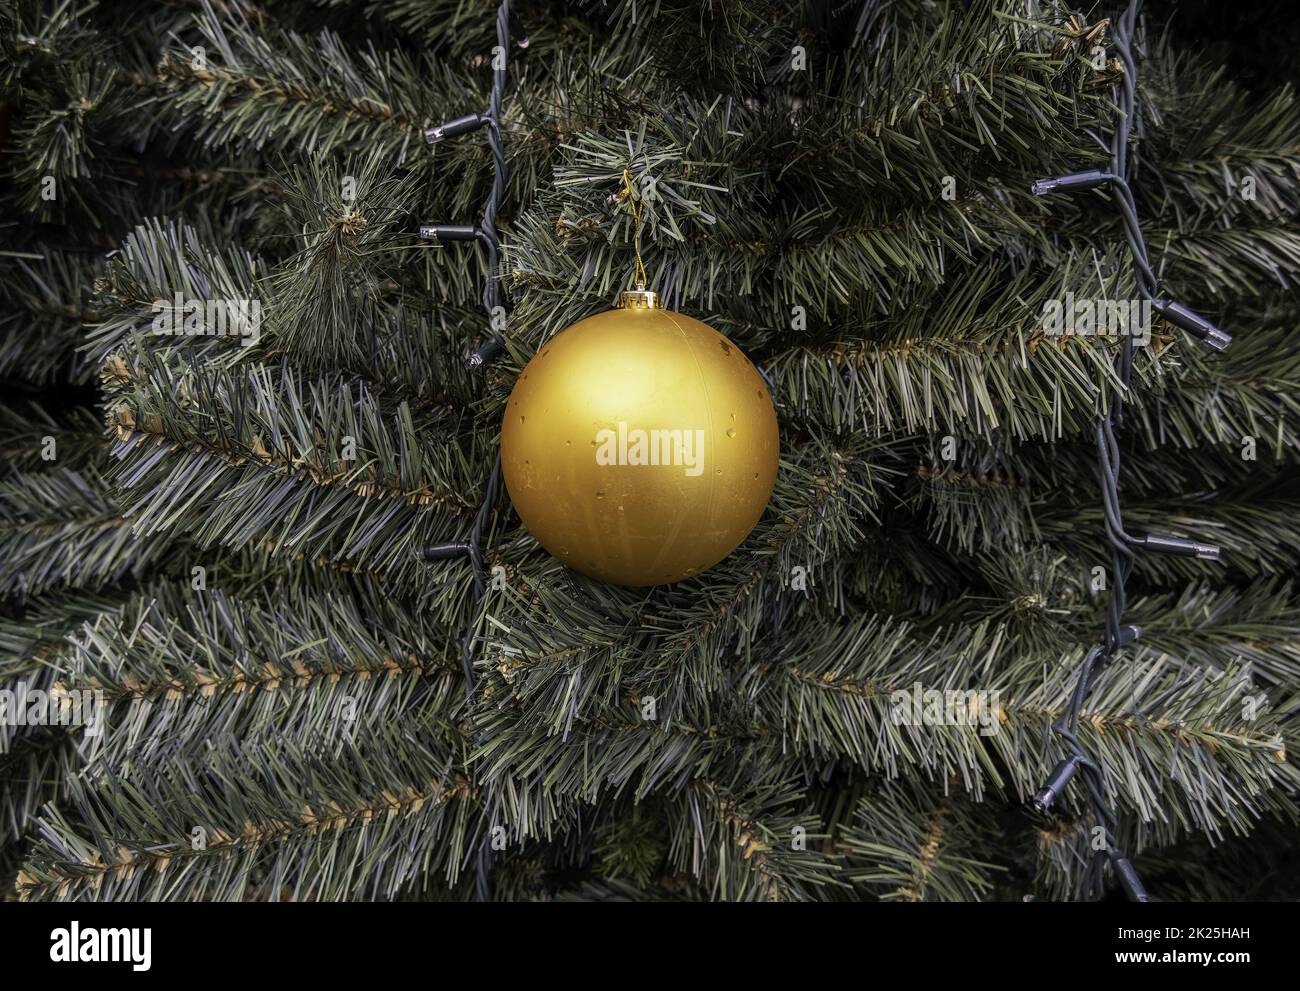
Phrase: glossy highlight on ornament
pixel 640 446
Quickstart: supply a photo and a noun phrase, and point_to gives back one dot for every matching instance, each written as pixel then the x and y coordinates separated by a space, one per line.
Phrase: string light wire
pixel 485 233
pixel 1124 546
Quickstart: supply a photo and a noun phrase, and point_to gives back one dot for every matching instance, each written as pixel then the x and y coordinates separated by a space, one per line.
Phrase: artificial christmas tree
pixel 251 507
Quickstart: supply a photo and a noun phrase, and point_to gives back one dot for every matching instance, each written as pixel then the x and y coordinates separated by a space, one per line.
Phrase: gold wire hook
pixel 630 195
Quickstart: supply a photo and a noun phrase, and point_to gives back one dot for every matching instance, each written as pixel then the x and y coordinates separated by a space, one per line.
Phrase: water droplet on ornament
pixel 521 419
pixel 731 431
pixel 600 494
pixel 717 471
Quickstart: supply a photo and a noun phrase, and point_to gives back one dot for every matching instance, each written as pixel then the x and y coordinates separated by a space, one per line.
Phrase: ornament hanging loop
pixel 629 194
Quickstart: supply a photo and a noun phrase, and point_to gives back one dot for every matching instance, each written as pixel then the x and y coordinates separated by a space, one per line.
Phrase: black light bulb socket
pixel 1180 547
pixel 452 128
pixel 449 232
pixel 1192 322
pixel 484 353
pixel 1056 782
pixel 1072 182
pixel 442 552
pixel 1127 634
pixel 1134 890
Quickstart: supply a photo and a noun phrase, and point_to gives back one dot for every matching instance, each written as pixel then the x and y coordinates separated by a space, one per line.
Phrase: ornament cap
pixel 639 298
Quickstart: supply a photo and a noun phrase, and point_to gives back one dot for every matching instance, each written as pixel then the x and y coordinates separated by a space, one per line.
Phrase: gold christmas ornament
pixel 639 445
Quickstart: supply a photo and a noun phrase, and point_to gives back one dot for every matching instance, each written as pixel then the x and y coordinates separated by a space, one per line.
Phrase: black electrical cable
pixel 484 232
pixel 1109 465
pixel 1123 545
